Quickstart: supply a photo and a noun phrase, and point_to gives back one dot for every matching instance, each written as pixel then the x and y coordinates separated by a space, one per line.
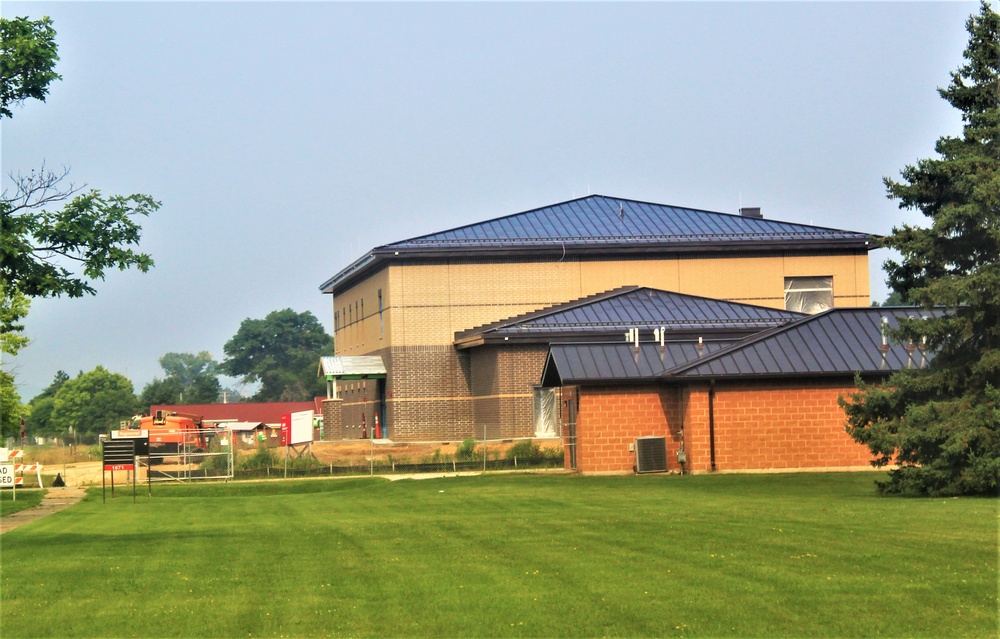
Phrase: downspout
pixel 711 422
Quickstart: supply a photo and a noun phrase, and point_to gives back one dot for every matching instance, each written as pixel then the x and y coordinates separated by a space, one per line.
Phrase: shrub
pixel 263 457
pixel 467 451
pixel 525 449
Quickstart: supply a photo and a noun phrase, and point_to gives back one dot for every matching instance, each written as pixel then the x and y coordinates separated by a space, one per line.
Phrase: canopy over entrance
pixel 350 367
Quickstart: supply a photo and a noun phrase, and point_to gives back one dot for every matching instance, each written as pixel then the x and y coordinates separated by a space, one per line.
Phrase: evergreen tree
pixel 941 424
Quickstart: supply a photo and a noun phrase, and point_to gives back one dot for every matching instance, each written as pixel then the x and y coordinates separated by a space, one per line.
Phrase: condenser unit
pixel 651 455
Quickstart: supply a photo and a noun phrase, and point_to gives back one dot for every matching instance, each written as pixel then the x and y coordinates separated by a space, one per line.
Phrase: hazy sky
pixel 286 139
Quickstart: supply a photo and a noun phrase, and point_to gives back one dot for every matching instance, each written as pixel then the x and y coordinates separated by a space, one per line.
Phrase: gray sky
pixel 285 139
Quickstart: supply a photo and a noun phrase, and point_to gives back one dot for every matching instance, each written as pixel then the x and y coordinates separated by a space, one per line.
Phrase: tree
pixel 281 352
pixel 92 403
pixel 190 379
pixel 91 231
pixel 39 420
pixel 13 308
pixel 38 244
pixel 895 299
pixel 941 424
pixel 161 391
pixel 95 232
pixel 28 56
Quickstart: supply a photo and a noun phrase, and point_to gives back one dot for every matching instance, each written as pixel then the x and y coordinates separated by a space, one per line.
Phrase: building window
pixel 546 410
pixel 808 294
pixel 381 324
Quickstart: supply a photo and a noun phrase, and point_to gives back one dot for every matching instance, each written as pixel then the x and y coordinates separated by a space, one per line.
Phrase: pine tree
pixel 941 424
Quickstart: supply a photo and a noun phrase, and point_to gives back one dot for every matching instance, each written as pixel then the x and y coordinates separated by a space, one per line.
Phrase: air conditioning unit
pixel 651 455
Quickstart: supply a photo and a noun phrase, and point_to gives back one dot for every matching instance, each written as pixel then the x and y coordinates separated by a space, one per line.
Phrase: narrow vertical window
pixel 381 323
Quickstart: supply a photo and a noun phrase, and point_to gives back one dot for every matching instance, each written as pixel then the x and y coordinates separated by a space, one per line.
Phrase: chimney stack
pixel 751 212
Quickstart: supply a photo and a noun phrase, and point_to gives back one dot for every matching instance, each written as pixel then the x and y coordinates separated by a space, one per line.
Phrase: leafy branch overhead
pixel 28 54
pixel 95 232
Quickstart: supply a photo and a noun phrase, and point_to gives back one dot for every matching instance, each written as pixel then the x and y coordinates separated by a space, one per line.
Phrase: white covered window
pixel 808 294
pixel 546 412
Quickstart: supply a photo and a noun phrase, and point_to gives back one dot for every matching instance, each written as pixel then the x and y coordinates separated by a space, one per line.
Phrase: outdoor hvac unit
pixel 651 455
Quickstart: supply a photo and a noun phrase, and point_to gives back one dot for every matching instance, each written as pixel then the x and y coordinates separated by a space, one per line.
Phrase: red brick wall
pixel 610 418
pixel 766 425
pixel 784 424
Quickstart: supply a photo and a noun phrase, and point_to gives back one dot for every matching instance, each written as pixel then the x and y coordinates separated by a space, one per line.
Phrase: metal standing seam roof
pixel 620 362
pixel 636 307
pixel 598 222
pixel 840 341
pixel 351 366
pixel 598 218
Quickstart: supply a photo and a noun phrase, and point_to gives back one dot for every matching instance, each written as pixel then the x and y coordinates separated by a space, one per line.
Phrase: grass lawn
pixel 23 500
pixel 508 556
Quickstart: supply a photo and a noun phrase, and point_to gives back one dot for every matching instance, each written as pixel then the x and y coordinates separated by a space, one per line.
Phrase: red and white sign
pixel 296 428
pixel 119 466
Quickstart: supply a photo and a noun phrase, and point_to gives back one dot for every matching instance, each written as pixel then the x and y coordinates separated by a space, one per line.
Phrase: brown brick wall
pixel 430 394
pixel 776 425
pixel 503 381
pixel 333 420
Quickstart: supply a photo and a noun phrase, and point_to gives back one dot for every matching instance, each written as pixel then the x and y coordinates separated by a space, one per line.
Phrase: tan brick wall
pixel 426 304
pixel 776 425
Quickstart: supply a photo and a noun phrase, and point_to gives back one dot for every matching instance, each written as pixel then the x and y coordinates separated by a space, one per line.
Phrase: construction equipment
pixel 173 434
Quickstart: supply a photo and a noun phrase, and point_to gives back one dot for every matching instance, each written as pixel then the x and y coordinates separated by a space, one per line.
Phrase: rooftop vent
pixel 751 212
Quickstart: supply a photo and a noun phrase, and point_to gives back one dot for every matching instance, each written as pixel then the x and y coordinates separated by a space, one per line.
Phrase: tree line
pixel 280 353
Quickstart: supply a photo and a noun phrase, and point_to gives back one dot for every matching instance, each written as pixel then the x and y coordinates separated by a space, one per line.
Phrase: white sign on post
pixel 6 475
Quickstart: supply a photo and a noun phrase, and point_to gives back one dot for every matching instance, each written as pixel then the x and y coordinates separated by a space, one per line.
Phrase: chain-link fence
pixel 371 457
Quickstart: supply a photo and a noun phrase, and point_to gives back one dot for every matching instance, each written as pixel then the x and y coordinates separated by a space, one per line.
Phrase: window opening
pixel 808 294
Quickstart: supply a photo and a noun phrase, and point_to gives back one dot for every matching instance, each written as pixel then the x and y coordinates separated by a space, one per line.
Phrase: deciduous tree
pixel 94 402
pixel 28 56
pixel 941 424
pixel 281 352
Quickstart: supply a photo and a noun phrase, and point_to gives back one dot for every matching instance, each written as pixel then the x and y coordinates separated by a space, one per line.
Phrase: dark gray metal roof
pixel 620 362
pixel 601 219
pixel 837 342
pixel 598 224
pixel 606 314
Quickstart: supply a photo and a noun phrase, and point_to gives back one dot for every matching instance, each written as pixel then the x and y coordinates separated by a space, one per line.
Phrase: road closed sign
pixel 6 475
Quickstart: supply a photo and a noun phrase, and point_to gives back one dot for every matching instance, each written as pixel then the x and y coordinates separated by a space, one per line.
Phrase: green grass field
pixel 24 499
pixel 508 556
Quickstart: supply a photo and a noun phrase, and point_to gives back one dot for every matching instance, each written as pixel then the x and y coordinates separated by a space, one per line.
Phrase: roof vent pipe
pixel 751 212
